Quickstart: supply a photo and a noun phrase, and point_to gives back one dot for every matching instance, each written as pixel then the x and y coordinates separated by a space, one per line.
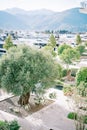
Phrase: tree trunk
pixel 24 99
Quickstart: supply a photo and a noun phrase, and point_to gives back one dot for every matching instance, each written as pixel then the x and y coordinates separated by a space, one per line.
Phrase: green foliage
pixel 8 43
pixel 64 72
pixel 72 115
pixel 82 89
pixel 69 55
pixel 53 53
pixel 52 95
pixel 4 125
pixel 80 49
pixel 50 50
pixel 47 48
pixel 23 67
pixel 52 41
pixel 85 119
pixel 58 82
pixel 86 43
pixel 78 39
pixel 39 92
pixel 63 47
pixel 13 125
pixel 81 76
pixel 51 45
pixel 68 90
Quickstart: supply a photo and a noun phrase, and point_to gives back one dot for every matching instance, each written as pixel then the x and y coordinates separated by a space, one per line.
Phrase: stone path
pixel 53 116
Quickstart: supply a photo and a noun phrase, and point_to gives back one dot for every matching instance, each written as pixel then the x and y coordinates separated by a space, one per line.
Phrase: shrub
pixel 53 53
pixel 72 115
pixel 4 125
pixel 63 47
pixel 81 76
pixel 68 90
pixel 52 95
pixel 86 43
pixel 85 119
pixel 59 82
pixel 80 48
pixel 82 89
pixel 64 72
pixel 13 125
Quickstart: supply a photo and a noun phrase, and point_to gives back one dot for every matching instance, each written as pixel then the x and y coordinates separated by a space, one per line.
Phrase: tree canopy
pixel 8 43
pixel 52 41
pixel 62 47
pixel 23 67
pixel 78 39
pixel 69 55
pixel 50 50
pixel 81 76
pixel 80 48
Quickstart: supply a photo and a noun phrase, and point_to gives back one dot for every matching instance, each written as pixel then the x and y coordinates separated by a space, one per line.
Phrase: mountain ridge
pixel 44 19
pixel 9 21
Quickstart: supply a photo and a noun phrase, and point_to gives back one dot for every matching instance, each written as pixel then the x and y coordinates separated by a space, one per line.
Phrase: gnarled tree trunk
pixel 24 99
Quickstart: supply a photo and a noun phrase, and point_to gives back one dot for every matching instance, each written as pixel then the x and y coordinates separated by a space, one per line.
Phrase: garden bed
pixel 10 105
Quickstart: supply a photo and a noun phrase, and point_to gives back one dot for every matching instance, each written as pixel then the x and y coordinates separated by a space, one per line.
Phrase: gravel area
pixel 10 105
pixel 53 116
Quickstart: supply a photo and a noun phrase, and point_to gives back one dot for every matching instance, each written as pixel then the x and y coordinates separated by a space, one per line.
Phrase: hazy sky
pixel 55 5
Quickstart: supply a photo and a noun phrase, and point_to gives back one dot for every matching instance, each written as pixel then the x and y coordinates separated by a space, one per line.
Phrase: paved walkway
pixel 4 95
pixel 53 116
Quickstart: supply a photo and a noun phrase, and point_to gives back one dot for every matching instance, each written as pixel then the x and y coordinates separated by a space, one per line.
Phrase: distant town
pixel 40 39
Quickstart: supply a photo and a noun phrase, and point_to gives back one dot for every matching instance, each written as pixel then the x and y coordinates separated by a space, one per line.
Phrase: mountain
pixel 17 11
pixel 9 21
pixel 71 19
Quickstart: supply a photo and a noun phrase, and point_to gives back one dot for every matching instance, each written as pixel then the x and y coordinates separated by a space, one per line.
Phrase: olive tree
pixel 22 68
